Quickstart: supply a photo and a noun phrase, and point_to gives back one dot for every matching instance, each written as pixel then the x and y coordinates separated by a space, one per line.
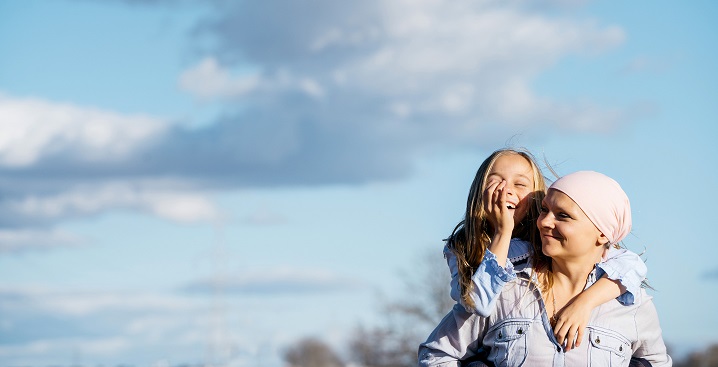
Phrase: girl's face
pixel 519 176
pixel 566 231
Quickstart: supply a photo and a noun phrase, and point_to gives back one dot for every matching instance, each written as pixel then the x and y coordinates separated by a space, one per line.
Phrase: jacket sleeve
pixel 626 267
pixel 454 271
pixel 458 336
pixel 649 345
pixel 488 280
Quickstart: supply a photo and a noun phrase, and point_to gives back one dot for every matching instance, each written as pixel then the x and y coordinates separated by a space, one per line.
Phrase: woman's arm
pixel 457 337
pixel 454 271
pixel 650 345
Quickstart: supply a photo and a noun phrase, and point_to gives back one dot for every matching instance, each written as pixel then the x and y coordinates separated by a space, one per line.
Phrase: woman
pixel 582 215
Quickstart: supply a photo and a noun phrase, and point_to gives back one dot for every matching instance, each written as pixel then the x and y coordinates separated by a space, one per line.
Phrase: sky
pixel 303 154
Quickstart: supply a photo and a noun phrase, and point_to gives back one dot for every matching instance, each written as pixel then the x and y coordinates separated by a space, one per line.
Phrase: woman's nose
pixel 544 221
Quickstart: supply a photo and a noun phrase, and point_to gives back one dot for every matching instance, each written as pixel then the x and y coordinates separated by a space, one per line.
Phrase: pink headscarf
pixel 602 199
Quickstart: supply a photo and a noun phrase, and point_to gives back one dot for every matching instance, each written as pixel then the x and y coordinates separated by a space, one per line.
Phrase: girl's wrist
pixel 583 300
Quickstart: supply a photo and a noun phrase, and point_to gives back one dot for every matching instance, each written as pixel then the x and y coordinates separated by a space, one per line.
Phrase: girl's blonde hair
pixel 472 235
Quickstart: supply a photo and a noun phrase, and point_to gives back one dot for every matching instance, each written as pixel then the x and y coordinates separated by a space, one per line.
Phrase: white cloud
pixel 102 327
pixel 178 206
pixel 463 66
pixel 208 80
pixel 88 346
pixel 264 216
pixel 347 95
pixel 34 129
pixel 98 326
pixel 181 207
pixel 275 281
pixel 16 240
pixel 84 303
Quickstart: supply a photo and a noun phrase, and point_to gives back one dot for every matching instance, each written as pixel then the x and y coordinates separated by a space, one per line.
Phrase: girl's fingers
pixel 571 339
pixel 488 194
pixel 560 333
pixel 490 190
pixel 499 194
pixel 491 196
pixel 502 195
pixel 571 336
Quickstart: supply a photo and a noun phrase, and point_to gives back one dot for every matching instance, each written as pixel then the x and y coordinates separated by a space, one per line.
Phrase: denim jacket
pixel 518 333
pixel 489 278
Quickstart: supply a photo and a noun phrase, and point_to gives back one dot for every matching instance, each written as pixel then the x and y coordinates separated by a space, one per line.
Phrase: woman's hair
pixel 472 235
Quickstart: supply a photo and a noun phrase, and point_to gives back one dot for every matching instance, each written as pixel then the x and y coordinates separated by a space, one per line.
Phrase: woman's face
pixel 566 231
pixel 517 172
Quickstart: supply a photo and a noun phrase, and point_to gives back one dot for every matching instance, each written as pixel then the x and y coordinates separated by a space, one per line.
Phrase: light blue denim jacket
pixel 517 332
pixel 619 264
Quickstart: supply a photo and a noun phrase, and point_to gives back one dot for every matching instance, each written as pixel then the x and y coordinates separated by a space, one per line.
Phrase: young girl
pixel 498 234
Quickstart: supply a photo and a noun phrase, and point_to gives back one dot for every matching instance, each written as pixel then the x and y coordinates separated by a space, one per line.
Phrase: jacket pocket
pixel 608 348
pixel 509 342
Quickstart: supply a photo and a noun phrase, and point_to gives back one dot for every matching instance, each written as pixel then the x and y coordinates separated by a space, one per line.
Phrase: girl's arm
pixel 488 281
pixel 621 273
pixel 495 269
pixel 627 268
pixel 501 218
pixel 573 319
pixel 489 278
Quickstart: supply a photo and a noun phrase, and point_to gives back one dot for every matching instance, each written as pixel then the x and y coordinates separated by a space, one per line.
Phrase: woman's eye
pixel 544 209
pixel 564 215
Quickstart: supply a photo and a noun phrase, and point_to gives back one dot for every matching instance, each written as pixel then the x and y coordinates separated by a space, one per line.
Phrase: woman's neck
pixel 570 278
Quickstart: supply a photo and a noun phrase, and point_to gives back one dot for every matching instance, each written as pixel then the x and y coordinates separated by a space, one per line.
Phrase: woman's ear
pixel 603 242
pixel 602 239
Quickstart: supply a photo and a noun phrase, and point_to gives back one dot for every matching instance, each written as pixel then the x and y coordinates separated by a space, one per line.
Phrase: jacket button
pixel 520 331
pixel 598 341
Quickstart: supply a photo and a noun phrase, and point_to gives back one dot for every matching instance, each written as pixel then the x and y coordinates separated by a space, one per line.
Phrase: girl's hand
pixel 498 214
pixel 571 324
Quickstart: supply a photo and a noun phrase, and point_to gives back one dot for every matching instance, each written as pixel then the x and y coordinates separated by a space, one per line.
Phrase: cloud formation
pixel 318 93
pixel 101 326
pixel 273 281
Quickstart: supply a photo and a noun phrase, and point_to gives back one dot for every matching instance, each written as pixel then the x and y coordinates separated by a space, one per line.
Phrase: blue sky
pixel 306 152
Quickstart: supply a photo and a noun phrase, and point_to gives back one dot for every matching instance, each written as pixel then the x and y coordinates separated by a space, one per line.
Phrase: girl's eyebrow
pixel 518 174
pixel 524 176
